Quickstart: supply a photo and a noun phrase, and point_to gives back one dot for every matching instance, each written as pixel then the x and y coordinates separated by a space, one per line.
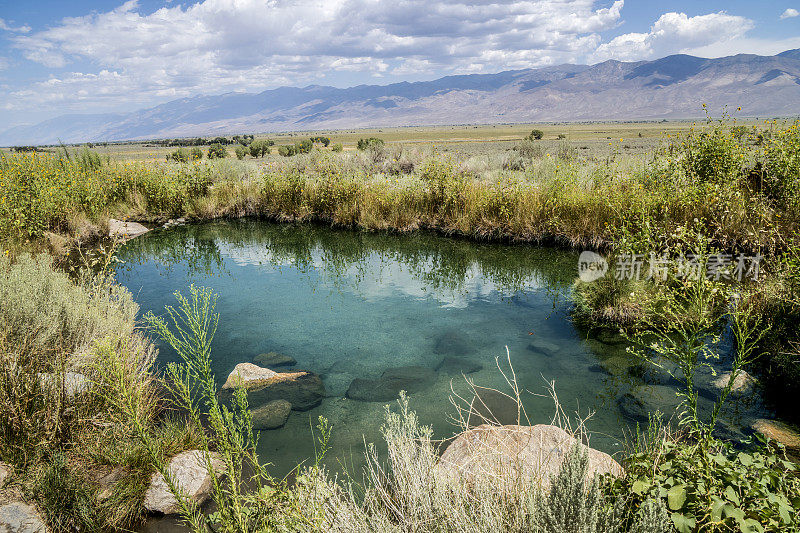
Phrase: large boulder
pixel 387 387
pixel 125 230
pixel 271 415
pixel 189 471
pixel 302 389
pixel 518 454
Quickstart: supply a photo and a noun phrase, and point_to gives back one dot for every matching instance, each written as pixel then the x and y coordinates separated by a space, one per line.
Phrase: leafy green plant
pixel 712 486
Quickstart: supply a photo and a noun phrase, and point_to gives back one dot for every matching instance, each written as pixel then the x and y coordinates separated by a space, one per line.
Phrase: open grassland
pixel 719 187
pixel 633 137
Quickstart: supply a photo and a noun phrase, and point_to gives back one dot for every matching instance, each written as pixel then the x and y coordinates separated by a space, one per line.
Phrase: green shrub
pixel 217 151
pixel 287 150
pixel 241 151
pixel 713 154
pixel 337 147
pixel 179 156
pixel 780 180
pixel 363 144
pixel 196 154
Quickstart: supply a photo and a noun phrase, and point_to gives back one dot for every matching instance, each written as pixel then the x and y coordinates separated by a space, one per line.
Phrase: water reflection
pixel 372 313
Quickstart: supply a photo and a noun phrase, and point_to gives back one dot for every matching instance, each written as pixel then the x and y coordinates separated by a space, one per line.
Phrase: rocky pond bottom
pixel 348 319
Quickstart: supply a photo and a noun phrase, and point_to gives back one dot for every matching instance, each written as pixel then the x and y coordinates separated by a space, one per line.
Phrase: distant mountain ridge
pixel 672 87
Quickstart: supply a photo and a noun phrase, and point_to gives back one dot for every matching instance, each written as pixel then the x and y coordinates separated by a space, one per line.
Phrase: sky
pixel 91 56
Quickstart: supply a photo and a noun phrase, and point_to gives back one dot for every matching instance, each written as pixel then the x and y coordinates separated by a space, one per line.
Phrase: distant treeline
pixel 199 141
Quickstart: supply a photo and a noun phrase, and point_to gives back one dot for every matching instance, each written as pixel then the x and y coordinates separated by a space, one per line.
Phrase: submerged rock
pixel 271 415
pixel 125 230
pixel 188 469
pixel 452 343
pixel 457 365
pixel 608 336
pixel 274 359
pixel 302 389
pixel 492 406
pixel 600 369
pixel 387 387
pixel 16 516
pixel 512 454
pixel 743 384
pixel 544 346
pixel 633 408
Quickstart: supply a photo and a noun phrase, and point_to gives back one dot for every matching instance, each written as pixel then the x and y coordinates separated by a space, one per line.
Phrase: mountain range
pixel 673 87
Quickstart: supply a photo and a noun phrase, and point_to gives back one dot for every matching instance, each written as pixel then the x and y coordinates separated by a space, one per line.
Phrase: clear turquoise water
pixel 350 305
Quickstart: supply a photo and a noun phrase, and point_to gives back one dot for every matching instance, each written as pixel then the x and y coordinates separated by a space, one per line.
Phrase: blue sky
pixel 89 56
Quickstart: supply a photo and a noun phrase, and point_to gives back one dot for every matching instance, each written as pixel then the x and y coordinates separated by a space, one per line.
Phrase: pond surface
pixel 352 305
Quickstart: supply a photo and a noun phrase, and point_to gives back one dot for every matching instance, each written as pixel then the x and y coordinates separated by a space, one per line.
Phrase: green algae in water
pixel 371 312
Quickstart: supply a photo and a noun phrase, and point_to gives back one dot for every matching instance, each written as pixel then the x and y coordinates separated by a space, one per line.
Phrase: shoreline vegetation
pixel 85 425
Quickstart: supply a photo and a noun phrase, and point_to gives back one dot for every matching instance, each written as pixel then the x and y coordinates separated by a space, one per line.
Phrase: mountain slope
pixel 672 87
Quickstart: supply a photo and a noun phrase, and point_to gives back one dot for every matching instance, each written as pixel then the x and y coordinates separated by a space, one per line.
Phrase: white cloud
pixel 673 33
pixel 218 45
pixel 790 13
pixel 5 26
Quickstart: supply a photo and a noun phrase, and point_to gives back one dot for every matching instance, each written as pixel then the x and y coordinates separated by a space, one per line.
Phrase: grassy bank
pixel 736 193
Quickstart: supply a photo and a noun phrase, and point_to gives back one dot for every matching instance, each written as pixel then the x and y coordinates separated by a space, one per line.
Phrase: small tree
pixel 535 135
pixel 241 151
pixel 197 154
pixel 259 148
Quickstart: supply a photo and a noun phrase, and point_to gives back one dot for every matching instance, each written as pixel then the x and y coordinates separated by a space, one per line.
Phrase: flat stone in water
pixel 544 346
pixel 271 415
pixel 452 343
pixel 387 387
pixel 492 406
pixel 633 408
pixel 599 369
pixel 125 230
pixel 274 359
pixel 457 365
